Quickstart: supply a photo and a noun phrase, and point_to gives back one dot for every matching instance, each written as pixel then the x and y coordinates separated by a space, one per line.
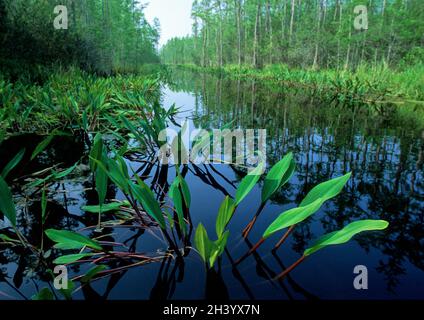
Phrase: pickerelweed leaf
pixel 101 184
pixel 72 239
pixel 70 258
pixel 43 206
pixel 7 206
pixel 225 214
pixel 220 245
pixel 96 151
pixel 145 196
pixel 326 190
pixel 92 273
pixel 175 194
pixel 275 176
pixel 203 244
pixel 292 217
pixel 248 182
pixel 345 234
pixel 12 163
pixel 42 145
pixel 113 206
pixel 45 294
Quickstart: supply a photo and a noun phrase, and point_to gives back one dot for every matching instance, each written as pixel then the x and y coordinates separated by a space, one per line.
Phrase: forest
pixel 98 200
pixel 304 34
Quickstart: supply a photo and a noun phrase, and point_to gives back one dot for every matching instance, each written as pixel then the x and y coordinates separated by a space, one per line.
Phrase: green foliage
pixel 95 30
pixel 114 206
pixel 7 206
pixel 12 163
pixel 345 234
pixel 43 295
pixel 279 174
pixel 70 258
pixel 248 182
pixel 309 205
pixel 209 250
pixel 225 214
pixel 70 240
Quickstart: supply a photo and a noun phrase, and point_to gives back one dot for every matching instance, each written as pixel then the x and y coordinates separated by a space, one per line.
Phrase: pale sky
pixel 174 16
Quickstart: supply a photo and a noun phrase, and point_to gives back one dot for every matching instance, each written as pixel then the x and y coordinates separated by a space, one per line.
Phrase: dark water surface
pixel 382 146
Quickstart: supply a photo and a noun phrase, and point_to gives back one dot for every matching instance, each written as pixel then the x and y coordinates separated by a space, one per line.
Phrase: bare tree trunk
pixel 238 17
pixel 291 20
pixel 256 37
pixel 269 29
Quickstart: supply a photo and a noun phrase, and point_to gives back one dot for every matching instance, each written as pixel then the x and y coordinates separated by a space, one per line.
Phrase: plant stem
pixel 253 249
pixel 249 227
pixel 283 238
pixel 289 269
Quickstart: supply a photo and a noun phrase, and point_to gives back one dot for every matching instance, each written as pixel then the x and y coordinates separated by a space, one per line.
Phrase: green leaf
pixel 274 178
pixel 7 206
pixel 72 239
pixel 204 246
pixel 248 182
pixel 326 190
pixel 43 295
pixel 185 191
pixel 145 196
pixel 70 258
pixel 176 197
pixel 345 234
pixel 96 151
pixel 114 206
pixel 92 273
pixel 292 217
pixel 12 163
pixel 42 145
pixel 220 245
pixel 43 206
pixel 101 185
pixel 225 214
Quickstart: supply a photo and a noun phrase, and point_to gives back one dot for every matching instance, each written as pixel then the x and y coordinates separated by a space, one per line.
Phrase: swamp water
pixel 382 145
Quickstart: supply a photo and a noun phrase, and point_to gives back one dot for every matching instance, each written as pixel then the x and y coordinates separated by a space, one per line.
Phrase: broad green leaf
pixel 7 206
pixel 345 234
pixel 326 190
pixel 292 217
pixel 185 191
pixel 42 145
pixel 101 185
pixel 114 206
pixel 70 238
pixel 44 295
pixel 64 173
pixel 225 214
pixel 220 245
pixel 70 258
pixel 96 151
pixel 43 206
pixel 7 239
pixel 92 273
pixel 145 196
pixel 273 180
pixel 177 198
pixel 203 244
pixel 248 182
pixel 12 163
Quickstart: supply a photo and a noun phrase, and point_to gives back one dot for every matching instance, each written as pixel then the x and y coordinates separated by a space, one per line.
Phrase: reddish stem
pixel 254 248
pixel 284 237
pixel 289 269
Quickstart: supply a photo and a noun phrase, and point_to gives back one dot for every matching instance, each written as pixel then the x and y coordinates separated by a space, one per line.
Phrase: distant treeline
pixel 102 35
pixel 301 33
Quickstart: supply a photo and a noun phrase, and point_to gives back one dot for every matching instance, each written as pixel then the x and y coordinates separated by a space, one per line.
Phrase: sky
pixel 174 16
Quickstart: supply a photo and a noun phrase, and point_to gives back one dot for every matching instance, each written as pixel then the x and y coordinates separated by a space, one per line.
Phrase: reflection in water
pixel 382 146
